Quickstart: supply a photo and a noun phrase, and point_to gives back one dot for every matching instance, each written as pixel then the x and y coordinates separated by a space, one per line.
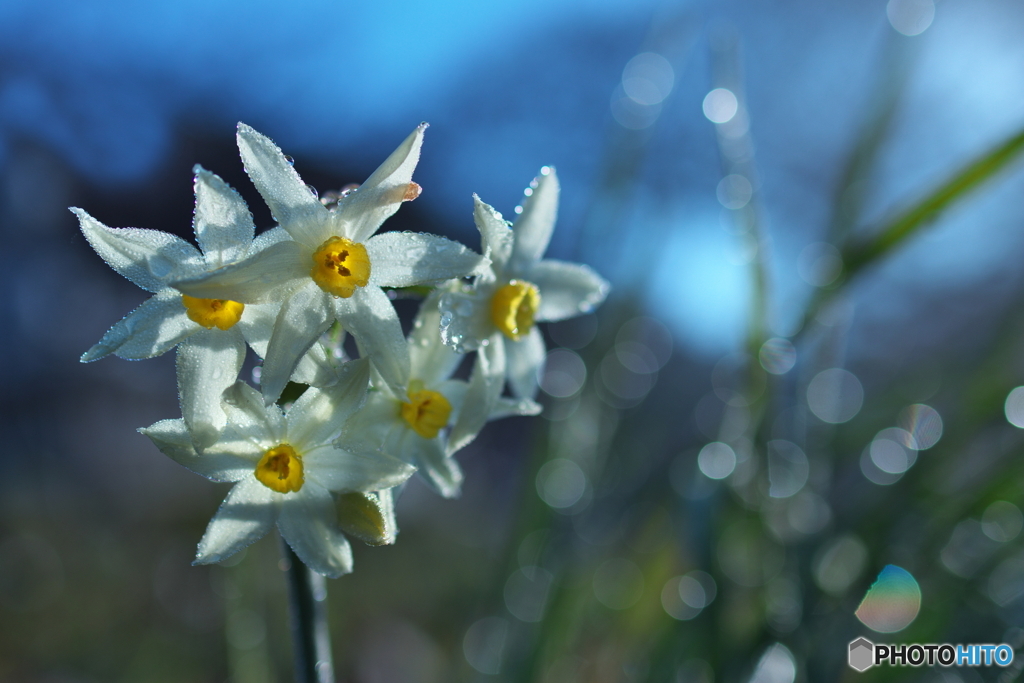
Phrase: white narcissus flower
pixel 333 267
pixel 413 424
pixel 210 333
pixel 285 466
pixel 497 315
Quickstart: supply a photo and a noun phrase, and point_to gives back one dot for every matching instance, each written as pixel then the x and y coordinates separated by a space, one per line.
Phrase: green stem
pixel 307 607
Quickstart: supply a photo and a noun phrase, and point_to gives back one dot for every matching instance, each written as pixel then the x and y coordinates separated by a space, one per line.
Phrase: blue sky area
pixel 509 87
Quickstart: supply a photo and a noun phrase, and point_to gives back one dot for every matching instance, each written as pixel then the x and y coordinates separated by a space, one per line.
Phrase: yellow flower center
pixel 427 411
pixel 339 266
pixel 210 313
pixel 280 469
pixel 513 308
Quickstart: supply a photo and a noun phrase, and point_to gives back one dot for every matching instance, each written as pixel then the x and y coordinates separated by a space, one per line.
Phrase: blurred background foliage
pixel 806 372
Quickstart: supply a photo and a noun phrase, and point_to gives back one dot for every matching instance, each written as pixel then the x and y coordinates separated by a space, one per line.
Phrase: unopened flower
pixel 498 315
pixel 333 267
pixel 285 467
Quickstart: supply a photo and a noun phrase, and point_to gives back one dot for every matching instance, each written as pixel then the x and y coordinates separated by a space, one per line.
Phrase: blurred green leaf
pixel 913 219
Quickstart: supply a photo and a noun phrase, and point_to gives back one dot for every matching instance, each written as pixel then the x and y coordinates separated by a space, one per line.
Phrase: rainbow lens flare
pixel 892 602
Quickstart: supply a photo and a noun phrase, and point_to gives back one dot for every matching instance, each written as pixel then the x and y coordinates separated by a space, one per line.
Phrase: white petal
pixel 307 524
pixel 245 516
pixel 485 386
pixel 466 318
pixel 431 360
pixel 440 471
pixel 566 289
pixel 360 213
pixel 153 328
pixel 455 391
pixel 222 222
pixel 149 258
pixel 511 407
pixel 208 362
pixel 403 259
pixel 370 426
pixel 257 325
pixel 351 468
pixel 525 363
pixel 318 367
pixel 369 317
pixel 318 415
pixel 496 236
pixel 535 224
pixel 293 205
pixel 263 277
pixel 250 419
pixel 173 439
pixel 303 318
pixel 269 237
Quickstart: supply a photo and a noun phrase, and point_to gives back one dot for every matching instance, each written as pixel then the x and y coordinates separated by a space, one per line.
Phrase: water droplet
pixel 290 160
pixel 217 373
pixel 529 191
pixel 464 308
pixel 160 266
pixel 313 191
pixel 446 319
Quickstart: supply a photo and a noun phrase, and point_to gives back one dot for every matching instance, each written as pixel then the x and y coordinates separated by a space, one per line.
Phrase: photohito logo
pixel 864 654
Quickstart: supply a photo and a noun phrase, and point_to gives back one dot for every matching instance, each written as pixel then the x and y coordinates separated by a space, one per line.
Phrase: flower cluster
pixel 328 461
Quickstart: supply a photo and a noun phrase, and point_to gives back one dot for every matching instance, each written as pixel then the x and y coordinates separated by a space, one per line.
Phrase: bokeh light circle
pixel 910 17
pixel 1014 407
pixel 717 460
pixel 835 395
pixel 923 423
pixel 720 105
pixel 777 355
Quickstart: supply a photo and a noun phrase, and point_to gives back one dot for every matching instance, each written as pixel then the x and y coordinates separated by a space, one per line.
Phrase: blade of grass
pixel 958 187
pixel 892 79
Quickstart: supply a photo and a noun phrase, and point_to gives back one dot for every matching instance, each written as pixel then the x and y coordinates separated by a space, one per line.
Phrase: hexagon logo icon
pixel 862 654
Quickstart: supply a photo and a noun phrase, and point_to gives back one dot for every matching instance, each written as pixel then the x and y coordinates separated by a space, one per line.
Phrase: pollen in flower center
pixel 427 411
pixel 339 266
pixel 210 313
pixel 513 308
pixel 280 469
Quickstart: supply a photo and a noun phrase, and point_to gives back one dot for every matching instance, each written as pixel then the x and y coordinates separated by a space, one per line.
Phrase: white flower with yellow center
pixel 210 333
pixel 413 425
pixel 497 315
pixel 286 466
pixel 333 267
